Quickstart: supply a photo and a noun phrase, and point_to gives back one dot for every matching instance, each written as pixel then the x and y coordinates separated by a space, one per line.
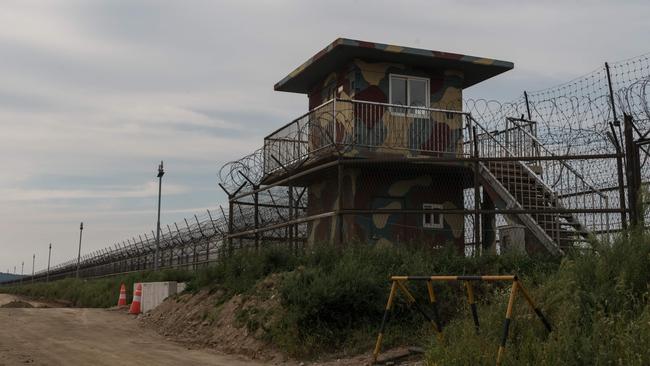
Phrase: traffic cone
pixel 135 304
pixel 122 300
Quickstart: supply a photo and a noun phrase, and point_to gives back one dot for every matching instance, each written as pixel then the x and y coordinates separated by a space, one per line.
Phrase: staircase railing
pixel 569 189
pixel 497 144
pixel 572 188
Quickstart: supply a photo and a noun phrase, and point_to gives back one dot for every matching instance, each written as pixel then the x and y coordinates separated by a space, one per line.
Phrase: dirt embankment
pixel 209 319
pixel 15 301
pixel 17 304
pixel 237 326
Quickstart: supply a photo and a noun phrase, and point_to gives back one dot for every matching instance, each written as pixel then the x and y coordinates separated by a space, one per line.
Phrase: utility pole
pixel 81 229
pixel 161 172
pixel 49 255
pixel 33 264
pixel 22 271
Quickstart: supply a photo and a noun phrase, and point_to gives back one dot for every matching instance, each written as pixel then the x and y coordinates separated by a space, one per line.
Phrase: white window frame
pixel 408 95
pixel 432 224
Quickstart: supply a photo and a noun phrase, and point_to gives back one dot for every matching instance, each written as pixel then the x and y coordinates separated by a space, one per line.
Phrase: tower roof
pixel 342 50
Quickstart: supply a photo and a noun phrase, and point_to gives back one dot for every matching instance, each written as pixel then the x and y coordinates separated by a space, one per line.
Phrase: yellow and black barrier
pixel 399 283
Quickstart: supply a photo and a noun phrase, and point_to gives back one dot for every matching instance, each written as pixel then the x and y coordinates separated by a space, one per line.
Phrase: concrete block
pixel 180 287
pixel 512 238
pixel 154 293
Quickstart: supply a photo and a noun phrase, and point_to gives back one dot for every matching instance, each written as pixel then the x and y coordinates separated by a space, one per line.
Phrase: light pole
pixel 33 264
pixel 22 270
pixel 161 172
pixel 49 255
pixel 81 229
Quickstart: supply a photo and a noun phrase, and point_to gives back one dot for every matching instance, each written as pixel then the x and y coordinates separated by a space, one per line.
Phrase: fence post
pixel 619 172
pixel 231 225
pixel 527 105
pixel 477 197
pixel 334 122
pixel 611 95
pixel 204 238
pixel 632 171
pixel 290 204
pixel 339 208
pixel 256 201
pixel 192 240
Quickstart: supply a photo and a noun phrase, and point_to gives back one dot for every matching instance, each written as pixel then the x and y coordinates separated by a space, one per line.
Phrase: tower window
pixel 432 220
pixel 409 91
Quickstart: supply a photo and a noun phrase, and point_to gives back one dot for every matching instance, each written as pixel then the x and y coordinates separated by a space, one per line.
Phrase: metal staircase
pixel 520 186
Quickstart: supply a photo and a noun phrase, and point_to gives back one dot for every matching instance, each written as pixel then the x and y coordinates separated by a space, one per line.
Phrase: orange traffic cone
pixel 121 302
pixel 135 304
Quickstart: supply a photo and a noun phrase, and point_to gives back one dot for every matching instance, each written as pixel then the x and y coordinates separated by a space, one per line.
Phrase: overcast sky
pixel 93 94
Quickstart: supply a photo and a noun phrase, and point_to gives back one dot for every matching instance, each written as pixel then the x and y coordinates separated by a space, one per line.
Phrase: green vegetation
pixel 599 305
pixel 332 300
pixel 99 293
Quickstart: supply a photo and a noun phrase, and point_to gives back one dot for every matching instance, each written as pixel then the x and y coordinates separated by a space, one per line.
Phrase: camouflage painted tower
pixel 379 150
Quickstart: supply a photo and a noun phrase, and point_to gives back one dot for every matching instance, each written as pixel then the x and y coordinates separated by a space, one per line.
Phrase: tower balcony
pixel 346 128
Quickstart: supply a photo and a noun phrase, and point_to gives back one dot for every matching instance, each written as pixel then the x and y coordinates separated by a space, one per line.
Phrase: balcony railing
pixel 359 128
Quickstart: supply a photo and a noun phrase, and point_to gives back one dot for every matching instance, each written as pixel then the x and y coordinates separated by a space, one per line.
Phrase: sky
pixel 93 94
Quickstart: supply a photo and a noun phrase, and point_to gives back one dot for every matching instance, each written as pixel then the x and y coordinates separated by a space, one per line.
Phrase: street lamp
pixel 81 229
pixel 49 255
pixel 161 172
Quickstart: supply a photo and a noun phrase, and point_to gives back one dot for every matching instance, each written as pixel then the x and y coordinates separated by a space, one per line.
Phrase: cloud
pixel 148 189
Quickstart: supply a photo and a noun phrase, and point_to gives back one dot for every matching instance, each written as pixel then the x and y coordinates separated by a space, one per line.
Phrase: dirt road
pixel 66 336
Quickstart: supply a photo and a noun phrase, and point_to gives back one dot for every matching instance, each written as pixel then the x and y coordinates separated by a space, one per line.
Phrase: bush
pixel 336 299
pixel 598 304
pixel 241 271
pixel 333 299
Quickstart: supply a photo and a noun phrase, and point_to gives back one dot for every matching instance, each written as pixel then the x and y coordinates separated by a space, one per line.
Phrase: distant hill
pixel 4 277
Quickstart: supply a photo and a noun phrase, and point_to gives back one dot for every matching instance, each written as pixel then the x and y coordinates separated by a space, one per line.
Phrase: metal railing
pixel 572 188
pixel 341 125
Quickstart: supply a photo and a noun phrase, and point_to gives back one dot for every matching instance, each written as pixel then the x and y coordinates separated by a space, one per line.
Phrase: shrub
pixel 336 299
pixel 598 304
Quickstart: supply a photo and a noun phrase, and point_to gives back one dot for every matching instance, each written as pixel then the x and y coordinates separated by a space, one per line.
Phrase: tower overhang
pixel 342 50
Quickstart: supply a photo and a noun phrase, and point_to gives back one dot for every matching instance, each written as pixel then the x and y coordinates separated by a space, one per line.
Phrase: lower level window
pixel 432 220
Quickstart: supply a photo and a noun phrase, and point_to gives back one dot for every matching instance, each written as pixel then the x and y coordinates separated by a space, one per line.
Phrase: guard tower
pixel 384 144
